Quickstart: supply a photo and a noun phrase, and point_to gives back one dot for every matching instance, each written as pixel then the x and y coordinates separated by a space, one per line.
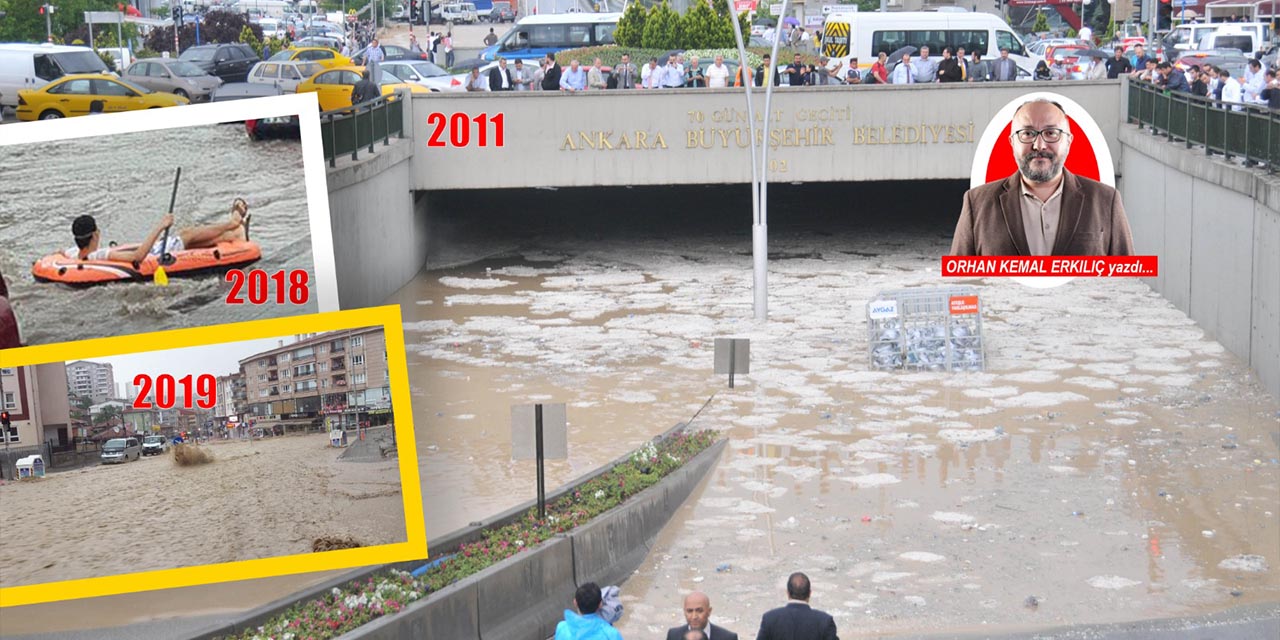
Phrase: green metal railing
pixel 1248 131
pixel 362 126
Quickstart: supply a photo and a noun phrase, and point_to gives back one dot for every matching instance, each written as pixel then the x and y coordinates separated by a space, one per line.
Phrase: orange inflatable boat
pixel 59 268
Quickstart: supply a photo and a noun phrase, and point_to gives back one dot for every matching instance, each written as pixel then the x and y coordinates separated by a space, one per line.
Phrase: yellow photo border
pixel 415 545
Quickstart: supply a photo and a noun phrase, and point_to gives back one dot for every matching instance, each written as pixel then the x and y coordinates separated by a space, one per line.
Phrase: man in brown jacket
pixel 1042 209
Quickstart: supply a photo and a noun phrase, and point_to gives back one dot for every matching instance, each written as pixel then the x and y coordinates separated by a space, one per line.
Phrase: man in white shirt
pixel 651 75
pixel 718 73
pixel 1254 82
pixel 1232 90
pixel 89 238
pixel 673 74
pixel 903 72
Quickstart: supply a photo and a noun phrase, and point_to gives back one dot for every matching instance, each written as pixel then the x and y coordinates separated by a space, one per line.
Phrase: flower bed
pixel 356 604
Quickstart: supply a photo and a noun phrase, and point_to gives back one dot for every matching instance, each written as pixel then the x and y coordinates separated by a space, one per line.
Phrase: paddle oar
pixel 166 258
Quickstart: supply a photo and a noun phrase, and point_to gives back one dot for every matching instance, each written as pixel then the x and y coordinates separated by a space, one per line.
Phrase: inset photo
pixel 261 448
pixel 131 223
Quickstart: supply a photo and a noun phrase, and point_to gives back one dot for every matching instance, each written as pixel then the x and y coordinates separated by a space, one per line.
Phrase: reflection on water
pixel 125 181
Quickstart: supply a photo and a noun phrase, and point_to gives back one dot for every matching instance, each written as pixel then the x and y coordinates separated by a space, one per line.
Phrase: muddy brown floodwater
pixel 1112 460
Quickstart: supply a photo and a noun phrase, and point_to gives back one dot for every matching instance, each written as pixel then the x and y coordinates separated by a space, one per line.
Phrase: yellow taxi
pixel 74 95
pixel 333 86
pixel 327 58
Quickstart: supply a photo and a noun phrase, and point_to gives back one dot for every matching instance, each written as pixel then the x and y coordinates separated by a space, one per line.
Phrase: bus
pixel 536 36
pixel 864 35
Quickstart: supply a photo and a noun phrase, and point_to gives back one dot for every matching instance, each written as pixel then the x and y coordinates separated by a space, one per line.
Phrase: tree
pixel 661 28
pixel 701 27
pixel 107 414
pixel 1041 24
pixel 1101 18
pixel 630 31
pixel 218 27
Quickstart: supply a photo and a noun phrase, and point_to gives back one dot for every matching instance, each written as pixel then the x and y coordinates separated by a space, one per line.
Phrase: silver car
pixel 178 77
pixel 286 75
pixel 121 450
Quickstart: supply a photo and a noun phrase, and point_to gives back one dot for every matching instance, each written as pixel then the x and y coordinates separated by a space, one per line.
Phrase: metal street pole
pixel 759 284
pixel 4 406
pixel 48 32
pixel 760 233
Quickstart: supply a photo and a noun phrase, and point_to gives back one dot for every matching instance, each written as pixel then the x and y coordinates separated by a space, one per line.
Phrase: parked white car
pixel 424 73
pixel 287 74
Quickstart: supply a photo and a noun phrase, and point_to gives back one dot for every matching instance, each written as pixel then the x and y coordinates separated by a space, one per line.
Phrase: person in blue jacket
pixel 586 623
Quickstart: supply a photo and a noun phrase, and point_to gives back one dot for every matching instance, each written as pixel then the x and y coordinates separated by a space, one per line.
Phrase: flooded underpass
pixel 1111 463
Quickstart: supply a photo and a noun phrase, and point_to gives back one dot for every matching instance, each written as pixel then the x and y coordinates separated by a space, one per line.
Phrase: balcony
pixel 337 365
pixel 337 347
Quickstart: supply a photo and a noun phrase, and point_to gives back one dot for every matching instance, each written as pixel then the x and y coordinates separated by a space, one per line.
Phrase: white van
pixel 459 12
pixel 1229 37
pixel 31 66
pixel 864 35
pixel 1185 37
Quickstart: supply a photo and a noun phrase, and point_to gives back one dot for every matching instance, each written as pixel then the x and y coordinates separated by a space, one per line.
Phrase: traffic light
pixel 4 419
pixel 177 13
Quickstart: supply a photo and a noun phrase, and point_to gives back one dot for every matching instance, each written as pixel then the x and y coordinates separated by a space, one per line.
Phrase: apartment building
pixel 36 399
pixel 232 398
pixel 93 380
pixel 335 379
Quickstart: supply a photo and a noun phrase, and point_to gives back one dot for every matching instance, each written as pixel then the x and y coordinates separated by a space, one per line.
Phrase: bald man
pixel 1042 209
pixel 697 615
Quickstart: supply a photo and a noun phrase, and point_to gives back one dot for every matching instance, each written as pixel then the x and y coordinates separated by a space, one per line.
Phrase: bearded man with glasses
pixel 1042 209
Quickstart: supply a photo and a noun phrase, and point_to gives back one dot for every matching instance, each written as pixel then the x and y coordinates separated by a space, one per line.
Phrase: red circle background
pixel 1081 160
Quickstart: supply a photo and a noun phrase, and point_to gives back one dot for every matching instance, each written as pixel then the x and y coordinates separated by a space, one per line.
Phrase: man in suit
pixel 500 77
pixel 1042 209
pixel 1004 69
pixel 697 615
pixel 797 620
pixel 551 77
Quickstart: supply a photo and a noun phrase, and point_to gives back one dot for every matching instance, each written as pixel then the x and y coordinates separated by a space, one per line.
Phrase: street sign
pixel 775 9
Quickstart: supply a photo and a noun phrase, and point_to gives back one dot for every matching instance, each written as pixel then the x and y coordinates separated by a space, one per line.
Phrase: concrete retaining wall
pixel 379 227
pixel 1216 227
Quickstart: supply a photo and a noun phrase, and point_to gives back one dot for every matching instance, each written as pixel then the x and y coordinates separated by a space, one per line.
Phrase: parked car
pixel 501 13
pixel 74 96
pixel 319 41
pixel 173 76
pixel 230 61
pixel 286 75
pixel 325 57
pixel 31 66
pixel 275 128
pixel 155 445
pixel 423 73
pixel 245 90
pixel 333 86
pixel 121 450
pixel 392 52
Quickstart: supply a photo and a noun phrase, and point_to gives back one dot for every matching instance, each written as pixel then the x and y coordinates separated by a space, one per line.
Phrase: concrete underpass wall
pixel 1216 228
pixel 686 136
pixel 379 231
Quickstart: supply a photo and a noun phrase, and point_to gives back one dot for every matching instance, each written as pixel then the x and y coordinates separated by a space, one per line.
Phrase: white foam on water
pixel 1177 380
pixel 1092 383
pixel 430 326
pixel 1033 377
pixel 1111 582
pixel 1106 368
pixel 597 280
pixel 980 411
pixel 475 283
pixel 633 397
pixel 921 556
pixel 747 534
pixel 873 480
pixel 1058 468
pixel 466 416
pixel 937 412
pixel 872 456
pixel 1161 353
pixel 991 392
pixel 881 577
pixel 752 507
pixel 1039 399
pixel 476 299
pixel 879 410
pixel 1245 562
pixel 969 435
pixel 951 517
pixel 756 421
pixel 801 474
pixel 1160 367
pixel 1122 422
